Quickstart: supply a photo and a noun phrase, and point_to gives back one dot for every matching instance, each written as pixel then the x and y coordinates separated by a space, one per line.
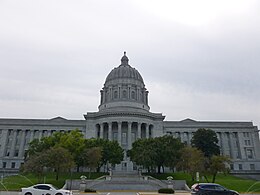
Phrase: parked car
pixel 211 189
pixel 44 189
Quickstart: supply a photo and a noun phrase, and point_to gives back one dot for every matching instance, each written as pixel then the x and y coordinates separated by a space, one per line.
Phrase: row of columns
pixel 17 140
pixel 101 126
pixel 231 143
pixel 108 93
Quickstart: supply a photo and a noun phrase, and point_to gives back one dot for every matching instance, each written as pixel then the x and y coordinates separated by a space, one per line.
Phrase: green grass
pixel 229 181
pixel 16 182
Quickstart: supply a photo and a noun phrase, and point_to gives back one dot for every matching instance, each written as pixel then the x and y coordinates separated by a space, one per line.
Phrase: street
pixel 110 193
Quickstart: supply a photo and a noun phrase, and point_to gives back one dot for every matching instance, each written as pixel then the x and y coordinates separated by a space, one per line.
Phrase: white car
pixel 44 189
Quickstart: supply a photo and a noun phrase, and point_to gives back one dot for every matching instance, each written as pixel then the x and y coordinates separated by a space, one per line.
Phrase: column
pixel 188 138
pixel 220 142
pixel 129 135
pixel 40 134
pixel 101 131
pixel 13 143
pixel 256 143
pixel 31 135
pixel 3 140
pixel 139 131
pixel 146 131
pixel 230 142
pixel 119 134
pixel 97 128
pixel 182 136
pixel 110 131
pixel 21 148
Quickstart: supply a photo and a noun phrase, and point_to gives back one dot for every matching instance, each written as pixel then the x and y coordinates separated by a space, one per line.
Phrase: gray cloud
pixel 55 56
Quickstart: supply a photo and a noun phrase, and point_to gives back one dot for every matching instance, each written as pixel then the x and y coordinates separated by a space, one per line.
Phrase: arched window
pixel 133 95
pixel 115 94
pixel 124 94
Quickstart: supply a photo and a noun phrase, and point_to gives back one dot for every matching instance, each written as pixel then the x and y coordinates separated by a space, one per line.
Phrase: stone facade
pixel 124 116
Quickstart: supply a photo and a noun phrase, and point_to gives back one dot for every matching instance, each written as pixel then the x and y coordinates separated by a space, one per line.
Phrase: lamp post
pixel 170 180
pixel 83 182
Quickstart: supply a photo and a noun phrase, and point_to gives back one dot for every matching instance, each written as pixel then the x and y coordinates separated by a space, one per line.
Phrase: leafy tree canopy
pixel 206 140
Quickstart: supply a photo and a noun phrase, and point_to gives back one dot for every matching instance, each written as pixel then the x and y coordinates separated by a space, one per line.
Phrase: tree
pixel 36 163
pixel 111 151
pixel 142 153
pixel 93 157
pixel 156 152
pixel 167 151
pixel 59 159
pixel 206 140
pixel 218 164
pixel 74 142
pixel 191 160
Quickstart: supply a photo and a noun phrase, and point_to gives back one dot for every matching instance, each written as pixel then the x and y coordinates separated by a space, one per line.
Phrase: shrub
pixel 166 191
pixel 89 190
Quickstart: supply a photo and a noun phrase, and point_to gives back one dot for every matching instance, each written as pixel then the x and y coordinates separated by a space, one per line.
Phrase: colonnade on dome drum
pixel 124 132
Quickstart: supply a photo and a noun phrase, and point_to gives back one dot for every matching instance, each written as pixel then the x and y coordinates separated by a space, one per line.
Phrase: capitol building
pixel 124 115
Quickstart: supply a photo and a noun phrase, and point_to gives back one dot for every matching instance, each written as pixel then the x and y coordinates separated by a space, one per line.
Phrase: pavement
pixel 117 193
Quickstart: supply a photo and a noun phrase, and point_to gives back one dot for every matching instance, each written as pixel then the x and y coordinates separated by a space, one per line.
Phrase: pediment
pixel 58 118
pixel 188 120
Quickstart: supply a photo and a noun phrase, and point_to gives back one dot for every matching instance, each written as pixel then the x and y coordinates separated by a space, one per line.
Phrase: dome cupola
pixel 124 70
pixel 124 88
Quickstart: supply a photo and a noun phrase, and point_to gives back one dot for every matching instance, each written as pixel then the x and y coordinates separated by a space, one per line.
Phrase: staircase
pixel 128 181
pixel 124 181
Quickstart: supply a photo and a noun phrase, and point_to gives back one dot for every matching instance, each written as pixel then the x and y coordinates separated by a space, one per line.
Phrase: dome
pixel 124 89
pixel 124 71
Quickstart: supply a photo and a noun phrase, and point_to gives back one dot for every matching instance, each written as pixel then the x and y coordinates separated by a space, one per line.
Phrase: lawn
pixel 229 181
pixel 18 181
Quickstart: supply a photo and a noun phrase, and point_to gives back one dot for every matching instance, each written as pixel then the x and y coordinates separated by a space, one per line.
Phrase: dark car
pixel 211 189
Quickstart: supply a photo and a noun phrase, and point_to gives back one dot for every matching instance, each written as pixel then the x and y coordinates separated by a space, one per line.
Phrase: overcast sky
pixel 199 59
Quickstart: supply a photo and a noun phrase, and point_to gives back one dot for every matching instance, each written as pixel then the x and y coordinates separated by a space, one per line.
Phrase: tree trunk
pixel 57 175
pixel 214 177
pixel 206 178
pixel 159 169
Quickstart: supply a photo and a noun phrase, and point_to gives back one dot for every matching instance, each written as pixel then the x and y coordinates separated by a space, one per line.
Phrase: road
pixel 110 193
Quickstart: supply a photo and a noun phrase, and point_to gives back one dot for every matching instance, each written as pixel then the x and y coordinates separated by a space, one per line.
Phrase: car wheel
pixel 58 194
pixel 28 193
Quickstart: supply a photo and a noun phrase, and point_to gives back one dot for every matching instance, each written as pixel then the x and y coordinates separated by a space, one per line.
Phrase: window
pixel 133 137
pixel 124 138
pixel 247 142
pixel 133 95
pixel 240 166
pixel 219 188
pixel 13 165
pixel 7 153
pixel 231 166
pixel 4 165
pixel 124 94
pixel 114 136
pixel 16 153
pixel 42 187
pixel 252 166
pixel 249 153
pixel 168 133
pixel 115 94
